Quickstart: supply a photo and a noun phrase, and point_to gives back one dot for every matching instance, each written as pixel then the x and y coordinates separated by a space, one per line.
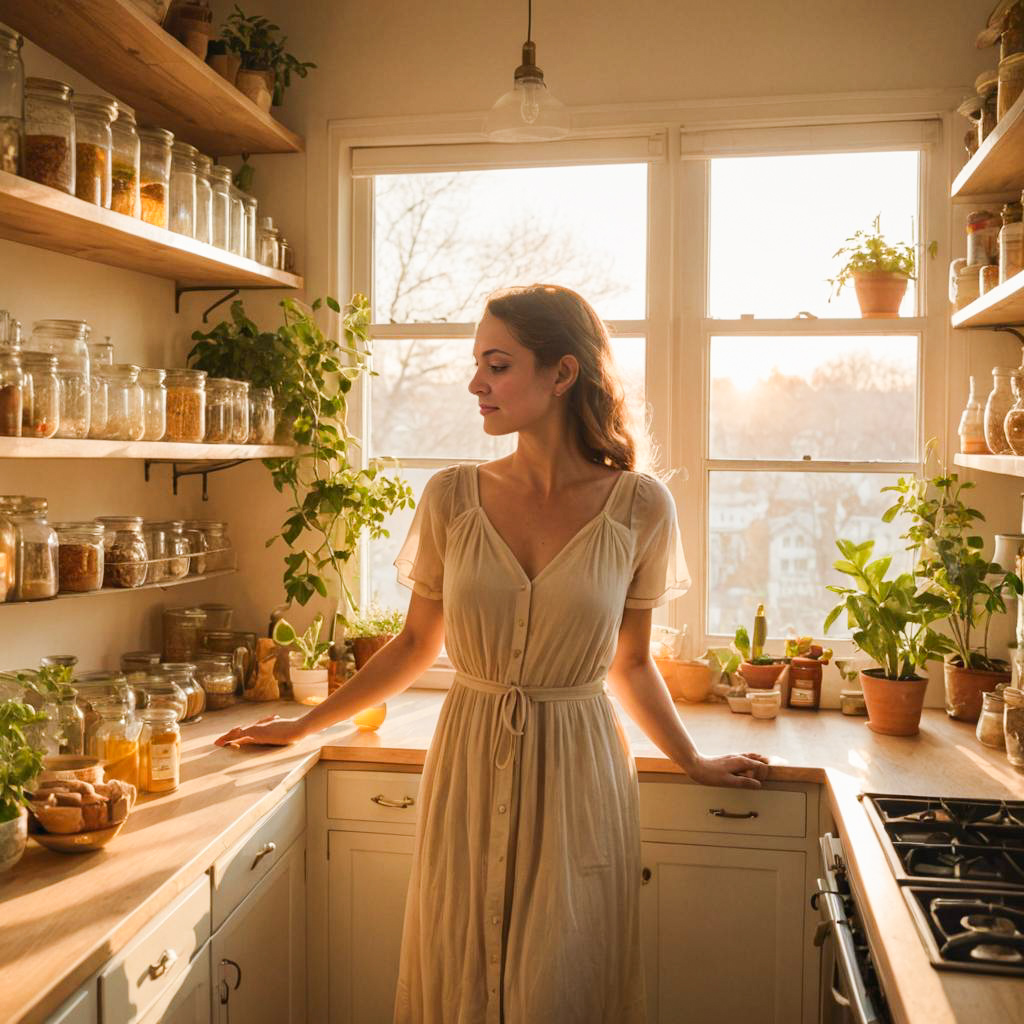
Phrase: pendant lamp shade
pixel 528 112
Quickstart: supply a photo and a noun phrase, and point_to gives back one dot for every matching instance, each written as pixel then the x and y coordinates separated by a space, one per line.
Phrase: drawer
pixel 81 1008
pixel 373 796
pixel 154 961
pixel 684 807
pixel 236 873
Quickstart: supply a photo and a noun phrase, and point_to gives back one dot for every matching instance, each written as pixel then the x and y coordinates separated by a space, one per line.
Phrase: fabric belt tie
pixel 513 709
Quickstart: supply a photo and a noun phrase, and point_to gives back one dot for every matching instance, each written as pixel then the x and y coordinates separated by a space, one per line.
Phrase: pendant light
pixel 529 113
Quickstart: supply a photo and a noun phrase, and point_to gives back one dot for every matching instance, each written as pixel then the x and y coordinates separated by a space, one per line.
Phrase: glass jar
pixel 184 674
pixel 261 416
pixel 239 411
pixel 990 722
pixel 236 233
pixel 139 661
pixel 125 413
pixel 168 550
pixel 79 557
pixel 204 199
pixel 12 101
pixel 125 163
pixel 70 724
pixel 35 557
pixel 250 207
pixel 115 741
pixel 186 405
pixel 1011 241
pixel 220 184
pixel 239 646
pixel 49 156
pixel 8 553
pixel 159 751
pixel 1013 425
pixel 285 255
pixel 99 400
pixel 218 616
pixel 59 660
pixel 124 551
pixel 1010 83
pixel 986 85
pixel 162 691
pixel 68 341
pixel 197 546
pixel 983 228
pixel 216 546
pixel 266 242
pixel 182 215
pixel 1013 725
pixel 219 409
pixel 101 353
pixel 216 675
pixel 154 403
pixel 181 628
pixel 154 174
pixel 12 394
pixel 1000 402
pixel 94 688
pixel 93 148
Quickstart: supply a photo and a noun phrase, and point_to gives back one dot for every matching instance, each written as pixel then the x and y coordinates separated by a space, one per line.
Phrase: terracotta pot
pixel 365 647
pixel 257 85
pixel 13 836
pixel 880 293
pixel 686 680
pixel 964 688
pixel 761 677
pixel 225 64
pixel 894 705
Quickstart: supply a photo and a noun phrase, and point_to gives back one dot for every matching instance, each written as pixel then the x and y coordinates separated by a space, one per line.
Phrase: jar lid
pixel 851 693
pixel 221 173
pixel 125 113
pixel 240 385
pixel 9 38
pixel 1013 696
pixel 181 148
pixel 160 715
pixel 216 659
pixel 121 522
pixel 15 503
pixel 204 524
pixel 93 528
pixel 176 667
pixel 248 200
pixel 153 657
pixel 128 371
pixel 63 328
pixel 1006 371
pixel 49 87
pixel 94 104
pixel 970 107
pixel 168 524
pixel 218 384
pixel 203 162
pixel 1010 60
pixel 161 135
pixel 39 360
pixel 193 378
pixel 151 375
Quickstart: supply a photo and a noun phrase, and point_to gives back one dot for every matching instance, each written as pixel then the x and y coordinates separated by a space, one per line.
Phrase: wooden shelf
pixel 47 218
pixel 164 451
pixel 1003 305
pixel 122 590
pixel 998 166
pixel 1005 465
pixel 115 45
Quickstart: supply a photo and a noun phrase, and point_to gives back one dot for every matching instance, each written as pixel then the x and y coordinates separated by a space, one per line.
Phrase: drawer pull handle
pixel 264 851
pixel 382 801
pixel 721 812
pixel 645 876
pixel 168 958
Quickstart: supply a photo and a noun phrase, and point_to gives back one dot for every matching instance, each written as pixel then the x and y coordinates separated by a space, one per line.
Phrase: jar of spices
pixel 181 629
pixel 93 148
pixel 125 163
pixel 12 101
pixel 215 545
pixel 79 557
pixel 49 134
pixel 160 751
pixel 1011 241
pixel 239 646
pixel 35 559
pixel 186 405
pixel 216 675
pixel 125 554
pixel 220 184
pixel 12 393
pixel 115 740
pixel 982 238
pixel 184 674
pixel 1013 425
pixel 8 554
pixel 236 232
pixel 168 550
pixel 204 199
pixel 1010 83
pixel 266 242
pixel 990 723
pixel 261 416
pixel 125 406
pixel 154 174
pixel 1013 725
pixel 251 205
pixel 1000 402
pixel 70 723
pixel 804 683
pixel 219 409
pixel 971 109
pixel 68 340
pixel 182 215
pixel 154 403
pixel 986 85
pixel 239 411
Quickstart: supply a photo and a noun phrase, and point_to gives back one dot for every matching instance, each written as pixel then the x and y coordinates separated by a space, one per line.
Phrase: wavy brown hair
pixel 552 321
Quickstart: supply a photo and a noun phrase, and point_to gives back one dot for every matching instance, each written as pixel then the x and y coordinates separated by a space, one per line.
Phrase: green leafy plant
pixel 724 660
pixel 21 760
pixel 955 580
pixel 891 625
pixel 375 621
pixel 255 40
pixel 869 251
pixel 308 644
pixel 741 644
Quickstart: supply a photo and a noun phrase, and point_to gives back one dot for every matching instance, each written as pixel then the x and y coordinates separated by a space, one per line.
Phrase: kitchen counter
pixel 62 916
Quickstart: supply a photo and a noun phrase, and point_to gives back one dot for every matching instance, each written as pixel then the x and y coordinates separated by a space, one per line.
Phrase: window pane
pixel 442 242
pixel 772 540
pixel 776 221
pixel 830 398
pixel 421 406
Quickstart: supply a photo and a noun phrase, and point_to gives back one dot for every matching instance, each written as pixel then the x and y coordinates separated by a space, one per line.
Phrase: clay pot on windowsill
pixel 879 293
pixel 964 688
pixel 686 680
pixel 257 84
pixel 894 705
pixel 365 647
pixel 761 677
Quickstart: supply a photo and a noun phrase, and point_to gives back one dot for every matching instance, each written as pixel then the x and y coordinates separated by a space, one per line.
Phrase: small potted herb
pixel 307 661
pixel 370 630
pixel 21 761
pixel 759 670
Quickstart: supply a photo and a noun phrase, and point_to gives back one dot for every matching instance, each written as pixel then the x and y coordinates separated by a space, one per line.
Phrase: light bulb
pixel 532 94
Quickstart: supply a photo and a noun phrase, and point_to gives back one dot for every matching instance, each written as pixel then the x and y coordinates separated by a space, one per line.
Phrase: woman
pixel 540 571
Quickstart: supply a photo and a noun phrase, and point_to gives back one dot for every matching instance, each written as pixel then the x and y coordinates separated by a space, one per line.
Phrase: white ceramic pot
pixel 13 836
pixel 309 686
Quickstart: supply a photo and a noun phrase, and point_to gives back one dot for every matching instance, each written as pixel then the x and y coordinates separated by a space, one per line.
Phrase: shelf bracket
pixel 182 469
pixel 178 292
pixel 1013 331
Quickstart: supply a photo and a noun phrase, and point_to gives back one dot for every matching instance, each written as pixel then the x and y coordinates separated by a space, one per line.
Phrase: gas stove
pixel 960 866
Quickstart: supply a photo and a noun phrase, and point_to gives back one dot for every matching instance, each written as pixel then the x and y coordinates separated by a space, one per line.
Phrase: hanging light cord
pixel 529 20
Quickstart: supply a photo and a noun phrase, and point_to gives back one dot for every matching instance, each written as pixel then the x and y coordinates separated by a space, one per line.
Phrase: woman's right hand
pixel 271 731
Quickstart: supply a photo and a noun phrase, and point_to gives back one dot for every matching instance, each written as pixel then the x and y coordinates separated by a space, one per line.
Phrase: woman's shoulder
pixel 653 499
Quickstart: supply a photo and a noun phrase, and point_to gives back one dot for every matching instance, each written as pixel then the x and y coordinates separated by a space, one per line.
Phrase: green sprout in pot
pixel 307 645
pixel 375 621
pixel 21 758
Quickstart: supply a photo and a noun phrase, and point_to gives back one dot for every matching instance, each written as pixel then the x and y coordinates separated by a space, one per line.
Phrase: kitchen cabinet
pixel 80 1008
pixel 190 1001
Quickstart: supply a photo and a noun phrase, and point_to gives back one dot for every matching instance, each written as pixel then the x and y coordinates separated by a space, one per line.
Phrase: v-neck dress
pixel 524 896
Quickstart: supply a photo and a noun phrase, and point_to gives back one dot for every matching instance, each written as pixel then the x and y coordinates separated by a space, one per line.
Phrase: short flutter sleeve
pixel 659 567
pixel 420 562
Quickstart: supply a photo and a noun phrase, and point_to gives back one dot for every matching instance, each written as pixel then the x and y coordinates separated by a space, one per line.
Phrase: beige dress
pixel 523 902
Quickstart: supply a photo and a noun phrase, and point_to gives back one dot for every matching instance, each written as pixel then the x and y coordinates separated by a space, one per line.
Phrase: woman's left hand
pixel 744 771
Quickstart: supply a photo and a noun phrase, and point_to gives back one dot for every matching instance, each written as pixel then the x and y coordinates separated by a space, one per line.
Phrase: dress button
pixel 502 808
pixel 515 654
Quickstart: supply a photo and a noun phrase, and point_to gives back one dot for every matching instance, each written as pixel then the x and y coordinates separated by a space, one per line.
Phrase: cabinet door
pixel 722 930
pixel 190 1002
pixel 259 953
pixel 81 1008
pixel 368 878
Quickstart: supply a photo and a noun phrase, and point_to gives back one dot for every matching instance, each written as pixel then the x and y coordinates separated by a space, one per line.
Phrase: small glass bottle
pixel 239 411
pixel 972 426
pixel 266 242
pixel 159 751
pixel 261 416
pixel 155 174
pixel 125 414
pixel 12 394
pixel 12 101
pixel 79 557
pixel 220 183
pixel 251 206
pixel 93 148
pixel 182 215
pixel 285 255
pixel 236 233
pixel 49 156
pixel 154 403
pixel 186 405
pixel 204 199
pixel 35 563
pixel 999 403
pixel 219 410
pixel 99 395
pixel 68 340
pixel 125 163
pixel 990 723
pixel 71 724
pixel 125 554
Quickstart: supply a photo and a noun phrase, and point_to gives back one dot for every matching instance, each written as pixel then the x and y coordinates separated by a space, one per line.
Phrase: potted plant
pixel 224 61
pixel 892 626
pixel 191 23
pixel 370 630
pixel 21 760
pixel 879 270
pixel 761 671
pixel 307 659
pixel 957 583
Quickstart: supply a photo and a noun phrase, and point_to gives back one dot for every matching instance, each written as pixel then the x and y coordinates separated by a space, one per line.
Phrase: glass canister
pixel 101 353
pixel 154 403
pixel 220 184
pixel 124 551
pixel 115 740
pixel 12 393
pixel 236 233
pixel 182 215
pixel 79 557
pixel 12 101
pixel 250 205
pixel 218 616
pixel 990 722
pixel 186 405
pixel 1013 425
pixel 70 724
pixel 1000 402
pixel 197 546
pixel 35 558
pixel 261 416
pixel 267 250
pixel 184 674
pixel 216 675
pixel 154 174
pixel 204 199
pixel 1013 725
pixel 125 405
pixel 159 751
pixel 125 163
pixel 239 411
pixel 162 691
pixel 93 148
pixel 239 646
pixel 983 228
pixel 216 546
pixel 96 687
pixel 1010 83
pixel 285 255
pixel 139 661
pixel 99 394
pixel 987 85
pixel 68 340
pixel 219 410
pixel 168 550
pixel 181 629
pixel 1011 241
pixel 8 552
pixel 49 156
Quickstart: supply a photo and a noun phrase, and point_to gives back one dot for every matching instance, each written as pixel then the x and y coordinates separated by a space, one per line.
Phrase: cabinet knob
pixel 168 958
pixel 645 876
pixel 382 801
pixel 265 850
pixel 721 812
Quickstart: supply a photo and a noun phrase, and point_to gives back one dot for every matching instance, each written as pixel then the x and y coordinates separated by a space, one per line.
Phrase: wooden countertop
pixel 62 916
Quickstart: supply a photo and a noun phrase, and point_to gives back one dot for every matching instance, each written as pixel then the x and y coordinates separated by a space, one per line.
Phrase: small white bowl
pixel 309 686
pixel 765 704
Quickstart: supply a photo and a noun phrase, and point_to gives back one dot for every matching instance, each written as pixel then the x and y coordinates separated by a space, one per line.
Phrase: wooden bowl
pixel 72 766
pixel 76 842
